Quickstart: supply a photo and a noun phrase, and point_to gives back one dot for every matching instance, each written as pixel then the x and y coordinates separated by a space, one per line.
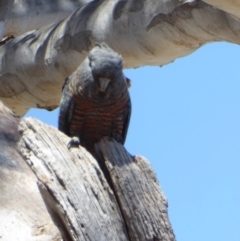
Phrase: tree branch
pixel 142 203
pixel 34 66
pixel 80 200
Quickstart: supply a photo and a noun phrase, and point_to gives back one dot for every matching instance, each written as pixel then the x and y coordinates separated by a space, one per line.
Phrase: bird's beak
pixel 103 84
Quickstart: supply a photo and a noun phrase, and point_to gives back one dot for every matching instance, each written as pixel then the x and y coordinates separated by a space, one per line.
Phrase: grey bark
pixel 23 215
pixel 5 9
pixel 143 204
pixel 34 66
pixel 124 204
pixel 28 15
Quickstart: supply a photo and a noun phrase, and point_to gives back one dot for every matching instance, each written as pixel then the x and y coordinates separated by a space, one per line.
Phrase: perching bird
pixel 95 100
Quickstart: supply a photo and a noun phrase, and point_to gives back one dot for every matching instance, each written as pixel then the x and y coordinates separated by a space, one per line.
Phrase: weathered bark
pixel 23 215
pixel 126 205
pixel 28 15
pixel 34 66
pixel 229 6
pixel 5 8
pixel 143 205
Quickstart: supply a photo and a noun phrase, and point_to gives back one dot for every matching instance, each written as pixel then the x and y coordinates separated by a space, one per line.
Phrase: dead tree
pixel 123 203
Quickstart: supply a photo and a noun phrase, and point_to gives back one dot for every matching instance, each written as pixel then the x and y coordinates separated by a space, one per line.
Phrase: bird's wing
pixel 65 109
pixel 126 121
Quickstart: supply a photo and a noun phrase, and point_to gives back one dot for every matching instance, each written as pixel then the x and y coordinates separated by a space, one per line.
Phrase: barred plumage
pixel 95 101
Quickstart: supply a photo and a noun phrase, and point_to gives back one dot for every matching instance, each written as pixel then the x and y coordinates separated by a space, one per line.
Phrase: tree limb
pixel 142 203
pixel 34 66
pixel 28 15
pixel 81 201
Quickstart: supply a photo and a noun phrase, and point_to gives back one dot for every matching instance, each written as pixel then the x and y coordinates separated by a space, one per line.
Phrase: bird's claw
pixel 74 142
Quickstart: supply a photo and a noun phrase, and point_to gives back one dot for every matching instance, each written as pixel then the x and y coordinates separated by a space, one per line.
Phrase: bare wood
pixel 73 187
pixel 140 197
pixel 34 66
pixel 230 6
pixel 28 15
pixel 81 201
pixel 23 215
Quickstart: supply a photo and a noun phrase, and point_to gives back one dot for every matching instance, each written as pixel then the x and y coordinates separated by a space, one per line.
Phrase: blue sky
pixel 186 122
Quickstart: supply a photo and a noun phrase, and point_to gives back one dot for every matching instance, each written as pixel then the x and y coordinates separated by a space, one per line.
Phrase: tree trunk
pixel 124 202
pixel 23 215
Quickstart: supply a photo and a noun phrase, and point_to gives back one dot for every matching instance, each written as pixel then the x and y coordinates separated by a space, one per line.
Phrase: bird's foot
pixel 74 142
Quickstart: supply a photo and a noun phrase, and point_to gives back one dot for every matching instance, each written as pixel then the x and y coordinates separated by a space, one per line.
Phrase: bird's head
pixel 106 66
pixel 100 74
